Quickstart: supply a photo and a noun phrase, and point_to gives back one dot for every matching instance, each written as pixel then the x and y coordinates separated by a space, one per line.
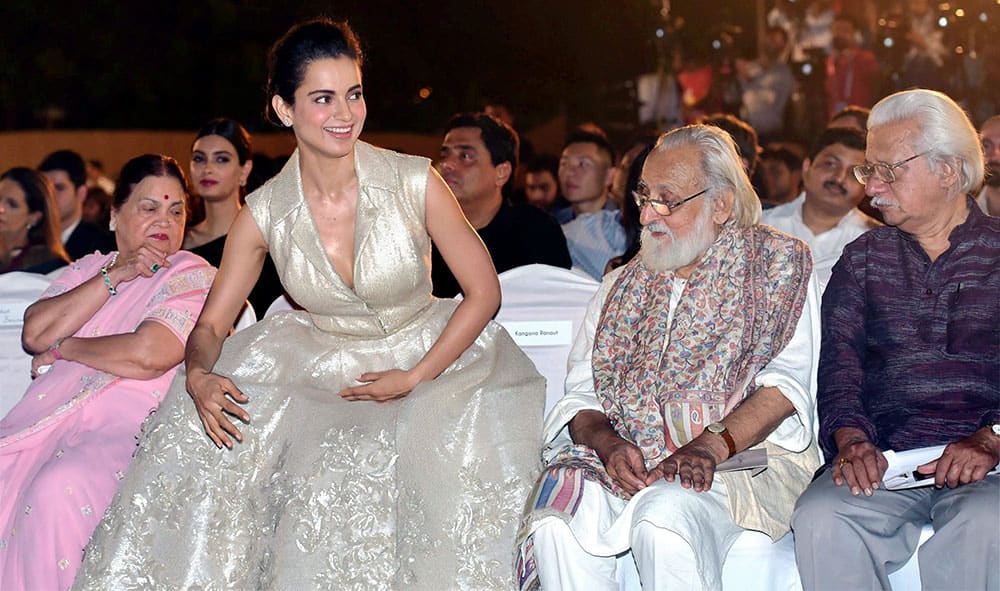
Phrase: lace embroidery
pixel 489 512
pixel 347 510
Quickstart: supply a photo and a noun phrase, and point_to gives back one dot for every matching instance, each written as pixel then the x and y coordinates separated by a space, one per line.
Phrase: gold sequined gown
pixel 323 493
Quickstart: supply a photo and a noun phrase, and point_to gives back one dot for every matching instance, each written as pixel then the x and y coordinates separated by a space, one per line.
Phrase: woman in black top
pixel 220 167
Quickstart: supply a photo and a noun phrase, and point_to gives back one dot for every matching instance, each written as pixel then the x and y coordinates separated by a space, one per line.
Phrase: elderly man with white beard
pixel 703 346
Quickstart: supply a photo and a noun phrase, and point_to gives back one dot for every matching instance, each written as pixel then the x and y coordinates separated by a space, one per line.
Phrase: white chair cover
pixel 755 564
pixel 280 304
pixel 247 317
pixel 18 290
pixel 542 309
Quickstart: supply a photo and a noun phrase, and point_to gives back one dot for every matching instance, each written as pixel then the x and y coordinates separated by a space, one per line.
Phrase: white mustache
pixel 660 228
pixel 879 201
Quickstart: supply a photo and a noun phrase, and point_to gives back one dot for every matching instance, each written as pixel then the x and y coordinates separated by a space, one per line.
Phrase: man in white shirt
pixel 826 215
pixel 703 346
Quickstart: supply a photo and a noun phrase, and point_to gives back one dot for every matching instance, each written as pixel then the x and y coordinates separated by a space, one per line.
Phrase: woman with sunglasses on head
pixel 393 435
pixel 221 163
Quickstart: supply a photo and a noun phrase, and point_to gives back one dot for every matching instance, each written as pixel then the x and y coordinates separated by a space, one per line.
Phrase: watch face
pixel 717 428
pixel 996 429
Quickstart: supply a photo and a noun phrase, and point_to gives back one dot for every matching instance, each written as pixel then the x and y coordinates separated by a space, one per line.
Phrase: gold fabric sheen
pixel 420 493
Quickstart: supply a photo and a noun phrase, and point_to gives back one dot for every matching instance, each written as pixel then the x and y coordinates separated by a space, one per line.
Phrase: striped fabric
pixel 560 489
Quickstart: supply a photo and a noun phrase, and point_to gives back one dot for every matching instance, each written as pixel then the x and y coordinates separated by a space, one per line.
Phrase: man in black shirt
pixel 478 158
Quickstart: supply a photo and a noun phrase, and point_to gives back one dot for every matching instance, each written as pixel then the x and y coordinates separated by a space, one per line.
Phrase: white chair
pixel 247 317
pixel 18 290
pixel 755 564
pixel 281 304
pixel 907 578
pixel 542 308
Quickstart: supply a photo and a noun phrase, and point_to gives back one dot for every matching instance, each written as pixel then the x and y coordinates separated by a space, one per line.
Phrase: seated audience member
pixel 478 158
pixel 630 210
pixel 989 197
pixel 780 173
pixel 592 223
pixel 107 337
pixel 743 135
pixel 68 173
pixel 911 347
pixel 855 117
pixel 97 207
pixel 701 347
pixel 96 178
pixel 826 214
pixel 641 143
pixel 851 116
pixel 29 223
pixel 221 165
pixel 541 183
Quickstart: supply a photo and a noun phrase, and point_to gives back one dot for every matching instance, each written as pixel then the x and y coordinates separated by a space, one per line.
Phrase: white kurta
pixel 826 247
pixel 603 527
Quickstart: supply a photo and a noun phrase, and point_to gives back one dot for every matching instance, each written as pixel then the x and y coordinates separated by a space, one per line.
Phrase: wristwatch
pixel 995 427
pixel 723 431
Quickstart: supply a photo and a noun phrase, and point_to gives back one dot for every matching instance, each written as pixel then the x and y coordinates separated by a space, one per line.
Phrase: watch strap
pixel 730 442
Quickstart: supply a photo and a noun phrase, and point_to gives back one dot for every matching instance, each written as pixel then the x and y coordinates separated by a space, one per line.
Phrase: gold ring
pixel 843 461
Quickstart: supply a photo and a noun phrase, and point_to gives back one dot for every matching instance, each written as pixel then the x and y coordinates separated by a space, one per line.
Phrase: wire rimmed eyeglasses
pixel 881 170
pixel 660 207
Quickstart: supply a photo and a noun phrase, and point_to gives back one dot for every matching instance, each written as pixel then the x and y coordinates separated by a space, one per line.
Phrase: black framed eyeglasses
pixel 881 170
pixel 660 207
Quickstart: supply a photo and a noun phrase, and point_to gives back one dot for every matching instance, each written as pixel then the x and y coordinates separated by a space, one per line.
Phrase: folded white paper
pixel 750 459
pixel 902 471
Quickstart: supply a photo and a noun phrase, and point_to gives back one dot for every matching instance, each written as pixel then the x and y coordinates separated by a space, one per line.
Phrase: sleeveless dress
pixel 420 493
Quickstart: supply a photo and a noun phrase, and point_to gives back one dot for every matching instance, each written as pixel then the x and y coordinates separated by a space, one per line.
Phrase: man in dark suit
pixel 68 173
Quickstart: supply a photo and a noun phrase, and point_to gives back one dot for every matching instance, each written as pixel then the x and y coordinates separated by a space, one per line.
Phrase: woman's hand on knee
pixel 214 398
pixel 382 386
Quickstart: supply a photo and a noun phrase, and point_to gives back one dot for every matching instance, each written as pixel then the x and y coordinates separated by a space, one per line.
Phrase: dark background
pixel 173 65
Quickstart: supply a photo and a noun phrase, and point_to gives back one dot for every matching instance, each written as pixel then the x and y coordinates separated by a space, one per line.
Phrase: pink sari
pixel 65 446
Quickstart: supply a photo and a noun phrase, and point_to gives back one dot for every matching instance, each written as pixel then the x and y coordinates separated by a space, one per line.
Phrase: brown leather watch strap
pixel 730 442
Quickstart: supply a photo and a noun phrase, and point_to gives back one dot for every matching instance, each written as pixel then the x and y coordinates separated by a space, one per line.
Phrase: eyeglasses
pixel 660 207
pixel 881 170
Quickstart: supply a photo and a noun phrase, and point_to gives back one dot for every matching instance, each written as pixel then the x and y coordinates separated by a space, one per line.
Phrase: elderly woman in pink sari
pixel 107 337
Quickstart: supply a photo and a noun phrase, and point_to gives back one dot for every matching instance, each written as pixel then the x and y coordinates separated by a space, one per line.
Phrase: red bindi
pixel 166 197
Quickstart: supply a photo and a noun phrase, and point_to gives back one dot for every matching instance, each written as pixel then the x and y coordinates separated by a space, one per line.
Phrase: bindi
pixel 166 197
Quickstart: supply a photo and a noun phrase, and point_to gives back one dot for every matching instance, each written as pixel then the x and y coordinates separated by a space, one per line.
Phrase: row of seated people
pixel 632 447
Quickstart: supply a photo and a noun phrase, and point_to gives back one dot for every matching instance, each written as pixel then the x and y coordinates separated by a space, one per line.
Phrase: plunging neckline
pixel 316 234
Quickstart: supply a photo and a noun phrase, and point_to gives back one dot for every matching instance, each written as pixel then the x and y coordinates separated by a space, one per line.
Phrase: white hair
pixel 722 166
pixel 945 130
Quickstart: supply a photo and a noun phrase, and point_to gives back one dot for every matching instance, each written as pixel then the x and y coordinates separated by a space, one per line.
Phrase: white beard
pixel 660 255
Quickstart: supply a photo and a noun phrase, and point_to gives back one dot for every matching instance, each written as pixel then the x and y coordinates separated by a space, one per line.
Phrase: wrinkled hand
pixel 40 360
pixel 382 386
pixel 213 396
pixel 966 460
pixel 139 263
pixel 694 463
pixel 624 464
pixel 858 463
